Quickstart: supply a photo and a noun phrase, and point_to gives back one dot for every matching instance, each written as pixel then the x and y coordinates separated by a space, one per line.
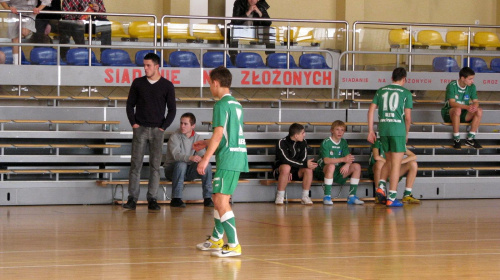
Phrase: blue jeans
pixel 182 171
pixel 143 135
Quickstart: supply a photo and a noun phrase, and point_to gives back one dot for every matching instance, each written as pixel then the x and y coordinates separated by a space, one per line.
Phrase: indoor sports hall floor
pixel 445 239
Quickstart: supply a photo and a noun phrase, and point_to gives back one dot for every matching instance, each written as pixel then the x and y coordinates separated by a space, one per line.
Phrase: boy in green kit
pixel 462 105
pixel 394 103
pixel 228 145
pixel 335 164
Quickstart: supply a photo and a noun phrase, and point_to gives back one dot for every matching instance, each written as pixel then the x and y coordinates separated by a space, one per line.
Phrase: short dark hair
pixel 222 75
pixel 295 128
pixel 154 57
pixel 398 74
pixel 192 118
pixel 466 72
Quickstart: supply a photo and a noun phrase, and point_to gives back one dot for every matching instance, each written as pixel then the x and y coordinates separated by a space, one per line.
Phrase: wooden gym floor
pixel 446 239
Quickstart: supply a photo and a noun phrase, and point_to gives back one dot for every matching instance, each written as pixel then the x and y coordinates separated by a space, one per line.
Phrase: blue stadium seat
pixel 139 57
pixel 249 60
pixel 445 64
pixel 278 60
pixel 312 61
pixel 478 65
pixel 216 59
pixel 116 57
pixel 8 56
pixel 80 57
pixel 495 64
pixel 183 59
pixel 44 56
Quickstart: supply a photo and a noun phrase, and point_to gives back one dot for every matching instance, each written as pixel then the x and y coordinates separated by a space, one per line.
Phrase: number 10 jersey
pixel 392 100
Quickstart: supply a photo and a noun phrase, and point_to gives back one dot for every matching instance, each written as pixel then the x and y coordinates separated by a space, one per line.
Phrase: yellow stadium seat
pixel 141 29
pixel 117 30
pixel 207 31
pixel 487 39
pixel 299 34
pixel 400 37
pixel 459 39
pixel 178 31
pixel 144 29
pixel 431 38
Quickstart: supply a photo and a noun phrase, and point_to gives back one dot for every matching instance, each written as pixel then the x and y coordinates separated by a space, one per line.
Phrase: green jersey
pixel 231 154
pixel 392 100
pixel 462 96
pixel 330 149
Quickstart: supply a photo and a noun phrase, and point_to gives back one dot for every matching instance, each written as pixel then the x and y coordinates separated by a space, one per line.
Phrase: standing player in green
pixel 394 103
pixel 461 105
pixel 228 145
pixel 335 164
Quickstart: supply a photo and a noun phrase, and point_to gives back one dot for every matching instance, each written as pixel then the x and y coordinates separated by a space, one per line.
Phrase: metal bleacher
pixel 69 131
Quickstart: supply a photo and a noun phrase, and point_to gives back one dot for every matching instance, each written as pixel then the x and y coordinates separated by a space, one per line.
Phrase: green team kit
pixel 231 154
pixel 463 96
pixel 392 100
pixel 330 149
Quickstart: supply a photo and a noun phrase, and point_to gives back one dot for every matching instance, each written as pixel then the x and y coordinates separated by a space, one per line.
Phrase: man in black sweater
pixel 292 164
pixel 150 96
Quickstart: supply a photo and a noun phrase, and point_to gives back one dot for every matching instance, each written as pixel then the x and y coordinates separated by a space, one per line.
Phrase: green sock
pixel 392 195
pixel 456 137
pixel 353 189
pixel 407 192
pixel 471 136
pixel 328 190
pixel 381 184
pixel 354 186
pixel 218 231
pixel 229 225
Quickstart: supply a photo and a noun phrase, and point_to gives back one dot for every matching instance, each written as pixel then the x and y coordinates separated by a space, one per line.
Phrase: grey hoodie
pixel 180 147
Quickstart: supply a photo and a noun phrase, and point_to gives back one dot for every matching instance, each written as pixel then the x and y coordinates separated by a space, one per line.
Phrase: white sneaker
pixel 327 200
pixel 279 200
pixel 210 245
pixel 306 200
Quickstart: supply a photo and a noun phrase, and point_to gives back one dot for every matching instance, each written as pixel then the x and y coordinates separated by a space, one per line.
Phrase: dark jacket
pixel 291 152
pixel 55 5
pixel 240 9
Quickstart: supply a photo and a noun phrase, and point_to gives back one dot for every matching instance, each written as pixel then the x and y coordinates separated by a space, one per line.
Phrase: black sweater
pixel 291 152
pixel 150 102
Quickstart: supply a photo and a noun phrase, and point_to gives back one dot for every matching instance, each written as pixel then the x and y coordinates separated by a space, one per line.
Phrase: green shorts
pixel 446 116
pixel 337 176
pixel 394 144
pixel 225 181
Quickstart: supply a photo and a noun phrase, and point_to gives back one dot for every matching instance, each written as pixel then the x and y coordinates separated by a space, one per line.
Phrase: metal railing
pixel 410 26
pixel 347 53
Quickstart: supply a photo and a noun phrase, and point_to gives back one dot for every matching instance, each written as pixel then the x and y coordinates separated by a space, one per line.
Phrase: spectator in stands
pixel 461 105
pixel 47 23
pixel 74 25
pixel 229 146
pixel 336 164
pixel 409 168
pixel 251 9
pixel 291 163
pixel 182 160
pixel 394 103
pixel 28 20
pixel 149 97
pixel 2 57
